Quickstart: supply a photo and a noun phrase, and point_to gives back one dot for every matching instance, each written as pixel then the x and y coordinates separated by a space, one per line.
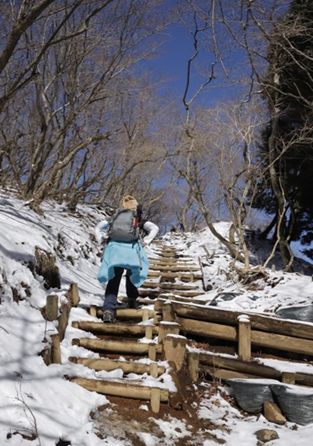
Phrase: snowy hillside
pixel 39 407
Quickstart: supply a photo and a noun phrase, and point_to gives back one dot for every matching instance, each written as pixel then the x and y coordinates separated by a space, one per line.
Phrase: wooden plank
pixel 110 364
pixel 123 389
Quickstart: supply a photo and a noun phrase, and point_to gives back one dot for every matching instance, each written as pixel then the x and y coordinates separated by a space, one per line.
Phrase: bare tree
pixel 69 112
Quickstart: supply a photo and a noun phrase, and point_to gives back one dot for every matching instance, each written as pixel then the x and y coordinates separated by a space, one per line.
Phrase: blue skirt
pixel 128 255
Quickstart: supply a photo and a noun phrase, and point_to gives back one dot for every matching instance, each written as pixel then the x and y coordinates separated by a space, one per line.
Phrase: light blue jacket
pixel 128 255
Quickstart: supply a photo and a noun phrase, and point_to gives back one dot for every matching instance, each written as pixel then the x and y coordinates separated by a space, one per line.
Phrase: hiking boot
pixel 132 303
pixel 109 316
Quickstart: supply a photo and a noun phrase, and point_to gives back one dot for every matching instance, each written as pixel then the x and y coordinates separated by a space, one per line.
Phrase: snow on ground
pixel 35 399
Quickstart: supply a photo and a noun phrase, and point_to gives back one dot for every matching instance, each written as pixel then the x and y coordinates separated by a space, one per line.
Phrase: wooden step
pixel 157 293
pixel 122 389
pixel 169 286
pixel 171 262
pixel 173 268
pixel 108 365
pixel 114 346
pixel 117 329
pixel 180 276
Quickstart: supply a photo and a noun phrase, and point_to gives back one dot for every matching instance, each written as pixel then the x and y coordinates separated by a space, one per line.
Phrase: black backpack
pixel 125 226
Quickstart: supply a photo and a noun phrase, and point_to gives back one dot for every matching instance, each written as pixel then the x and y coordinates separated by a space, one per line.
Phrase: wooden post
pixel 155 399
pixel 63 321
pixel 152 351
pixel 149 331
pixel 145 314
pixel 158 305
pixel 154 370
pixel 93 310
pixel 168 313
pixel 52 305
pixel 157 319
pixel 73 295
pixel 193 365
pixel 166 328
pixel 244 338
pixel 174 349
pixel 55 350
pixel 288 378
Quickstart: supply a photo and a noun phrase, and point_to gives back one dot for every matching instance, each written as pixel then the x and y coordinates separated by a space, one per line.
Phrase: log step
pixel 108 365
pixel 182 277
pixel 110 346
pixel 157 293
pixel 172 263
pixel 168 286
pixel 125 390
pixel 173 268
pixel 117 329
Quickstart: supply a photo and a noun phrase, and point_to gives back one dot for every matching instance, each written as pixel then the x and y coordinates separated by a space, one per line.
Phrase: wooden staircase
pixel 138 334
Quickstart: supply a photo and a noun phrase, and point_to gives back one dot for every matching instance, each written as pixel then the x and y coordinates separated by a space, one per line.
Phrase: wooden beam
pixel 208 329
pixel 258 322
pixel 282 342
pixel 253 368
pixel 250 367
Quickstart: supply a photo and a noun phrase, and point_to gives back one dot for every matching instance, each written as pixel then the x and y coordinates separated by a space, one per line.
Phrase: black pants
pixel 111 292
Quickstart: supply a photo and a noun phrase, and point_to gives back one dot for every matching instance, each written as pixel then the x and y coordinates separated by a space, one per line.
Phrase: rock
pixel 265 435
pixel 273 413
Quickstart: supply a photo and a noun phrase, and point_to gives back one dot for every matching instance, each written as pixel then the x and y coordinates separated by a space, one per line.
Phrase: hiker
pixel 121 254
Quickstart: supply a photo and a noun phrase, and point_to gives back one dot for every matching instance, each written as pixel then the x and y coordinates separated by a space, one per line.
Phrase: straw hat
pixel 129 202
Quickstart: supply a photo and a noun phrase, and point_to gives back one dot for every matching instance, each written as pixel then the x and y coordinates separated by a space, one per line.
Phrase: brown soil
pixel 128 420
